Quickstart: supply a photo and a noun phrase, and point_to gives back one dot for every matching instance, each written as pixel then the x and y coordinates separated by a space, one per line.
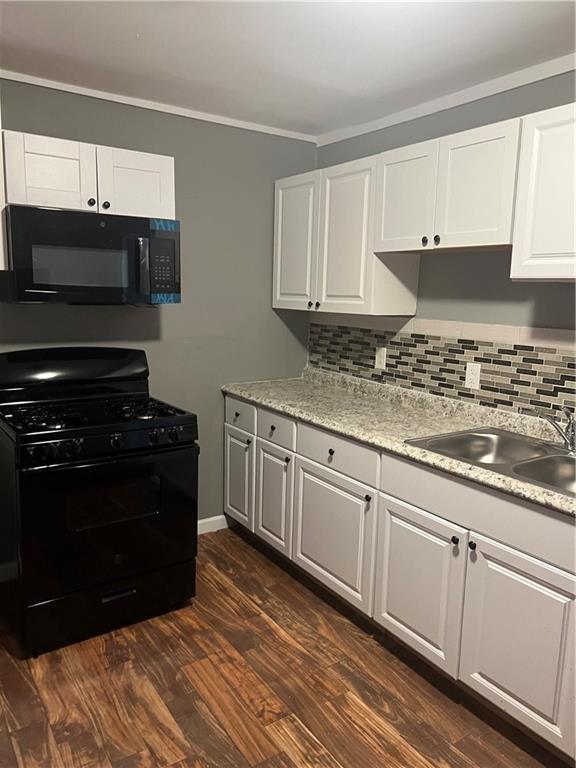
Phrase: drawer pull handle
pixel 287 459
pixel 368 498
pixel 472 545
pixel 455 540
pixel 110 598
pixel 331 451
pixel 272 428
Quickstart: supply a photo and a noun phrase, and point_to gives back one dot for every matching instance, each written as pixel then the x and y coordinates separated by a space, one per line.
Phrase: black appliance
pixel 74 257
pixel 99 489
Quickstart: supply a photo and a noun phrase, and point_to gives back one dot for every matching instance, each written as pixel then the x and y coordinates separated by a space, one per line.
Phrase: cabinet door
pixel 345 246
pixel 545 227
pixel 41 170
pixel 405 197
pixel 334 520
pixel 136 183
pixel 476 183
pixel 518 638
pixel 420 575
pixel 295 241
pixel 239 476
pixel 274 487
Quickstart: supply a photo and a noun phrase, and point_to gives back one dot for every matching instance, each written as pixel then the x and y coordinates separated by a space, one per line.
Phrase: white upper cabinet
pixel 135 183
pixel 41 170
pixel 544 246
pixel 296 241
pixel 476 184
pixel 345 251
pixel 518 638
pixel 405 197
pixel 453 192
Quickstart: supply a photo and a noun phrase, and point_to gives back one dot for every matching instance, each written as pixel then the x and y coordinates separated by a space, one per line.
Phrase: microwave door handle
pixel 143 251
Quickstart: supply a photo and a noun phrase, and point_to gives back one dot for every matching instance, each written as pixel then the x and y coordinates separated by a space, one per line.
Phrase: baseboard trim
pixel 209 524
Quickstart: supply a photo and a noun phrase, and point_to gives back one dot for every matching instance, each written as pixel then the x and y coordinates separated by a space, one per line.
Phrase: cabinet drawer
pixel 277 429
pixel 339 453
pixel 241 415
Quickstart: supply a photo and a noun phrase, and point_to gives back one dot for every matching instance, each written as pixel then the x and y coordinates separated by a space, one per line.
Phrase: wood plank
pixel 210 745
pixel 34 747
pixel 18 695
pixel 105 701
pixel 148 714
pixel 300 745
pixel 75 732
pixel 419 733
pixel 250 689
pixel 240 724
pixel 383 739
pixel 7 756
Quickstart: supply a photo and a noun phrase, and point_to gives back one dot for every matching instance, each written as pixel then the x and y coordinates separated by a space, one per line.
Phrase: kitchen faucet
pixel 568 434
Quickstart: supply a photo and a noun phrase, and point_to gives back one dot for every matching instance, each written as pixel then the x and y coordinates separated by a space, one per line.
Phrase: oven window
pixel 90 267
pixel 97 505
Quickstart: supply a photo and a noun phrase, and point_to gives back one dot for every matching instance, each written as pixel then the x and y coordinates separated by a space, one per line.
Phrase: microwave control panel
pixel 164 277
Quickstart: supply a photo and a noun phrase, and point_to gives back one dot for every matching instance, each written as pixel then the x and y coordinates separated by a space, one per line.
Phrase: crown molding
pixel 517 79
pixel 154 105
pixel 482 90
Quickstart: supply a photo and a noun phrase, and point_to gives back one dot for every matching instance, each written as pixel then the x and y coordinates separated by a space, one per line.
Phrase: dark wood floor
pixel 257 671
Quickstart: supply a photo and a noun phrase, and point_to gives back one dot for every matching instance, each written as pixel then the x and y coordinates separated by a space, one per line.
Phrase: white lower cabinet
pixel 333 539
pixel 239 475
pixel 518 638
pixel 420 576
pixel 274 487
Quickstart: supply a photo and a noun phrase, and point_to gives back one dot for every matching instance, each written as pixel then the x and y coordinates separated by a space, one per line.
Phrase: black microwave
pixel 74 257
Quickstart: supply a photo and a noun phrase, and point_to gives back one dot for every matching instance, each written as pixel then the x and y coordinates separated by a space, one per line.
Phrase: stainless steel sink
pixel 487 447
pixel 558 472
pixel 507 453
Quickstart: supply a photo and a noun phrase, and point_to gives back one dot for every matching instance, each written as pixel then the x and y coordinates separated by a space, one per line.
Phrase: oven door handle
pixel 143 255
pixel 118 521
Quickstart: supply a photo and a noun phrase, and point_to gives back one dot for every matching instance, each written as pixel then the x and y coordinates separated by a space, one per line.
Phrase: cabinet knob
pixel 248 441
pixel 236 414
pixel 455 540
pixel 368 498
pixel 287 459
pixel 91 202
pixel 106 205
pixel 317 305
pixel 472 545
pixel 272 428
pixel 331 451
pixel 424 240
pixel 436 239
pixel 310 304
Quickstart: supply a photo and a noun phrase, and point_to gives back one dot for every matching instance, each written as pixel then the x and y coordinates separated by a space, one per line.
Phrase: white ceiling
pixel 312 68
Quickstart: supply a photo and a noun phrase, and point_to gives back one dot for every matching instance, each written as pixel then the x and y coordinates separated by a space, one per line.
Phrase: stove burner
pixel 59 416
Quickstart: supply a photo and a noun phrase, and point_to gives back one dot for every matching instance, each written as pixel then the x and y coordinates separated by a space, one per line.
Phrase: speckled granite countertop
pixel 384 416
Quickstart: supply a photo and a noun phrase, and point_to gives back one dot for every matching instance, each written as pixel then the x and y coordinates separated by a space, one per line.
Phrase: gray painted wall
pixel 225 329
pixel 475 287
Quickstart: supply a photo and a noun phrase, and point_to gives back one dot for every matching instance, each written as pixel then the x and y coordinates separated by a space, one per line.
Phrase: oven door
pixel 77 258
pixel 87 525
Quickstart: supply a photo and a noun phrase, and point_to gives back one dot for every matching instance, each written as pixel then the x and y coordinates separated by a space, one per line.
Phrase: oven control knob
pixel 51 451
pixel 32 452
pixel 173 434
pixel 154 436
pixel 116 441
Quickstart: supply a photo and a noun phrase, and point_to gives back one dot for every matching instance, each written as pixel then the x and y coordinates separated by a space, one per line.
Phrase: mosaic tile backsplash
pixel 513 376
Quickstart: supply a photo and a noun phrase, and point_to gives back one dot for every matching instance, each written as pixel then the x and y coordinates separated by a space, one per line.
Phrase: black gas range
pixel 99 481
